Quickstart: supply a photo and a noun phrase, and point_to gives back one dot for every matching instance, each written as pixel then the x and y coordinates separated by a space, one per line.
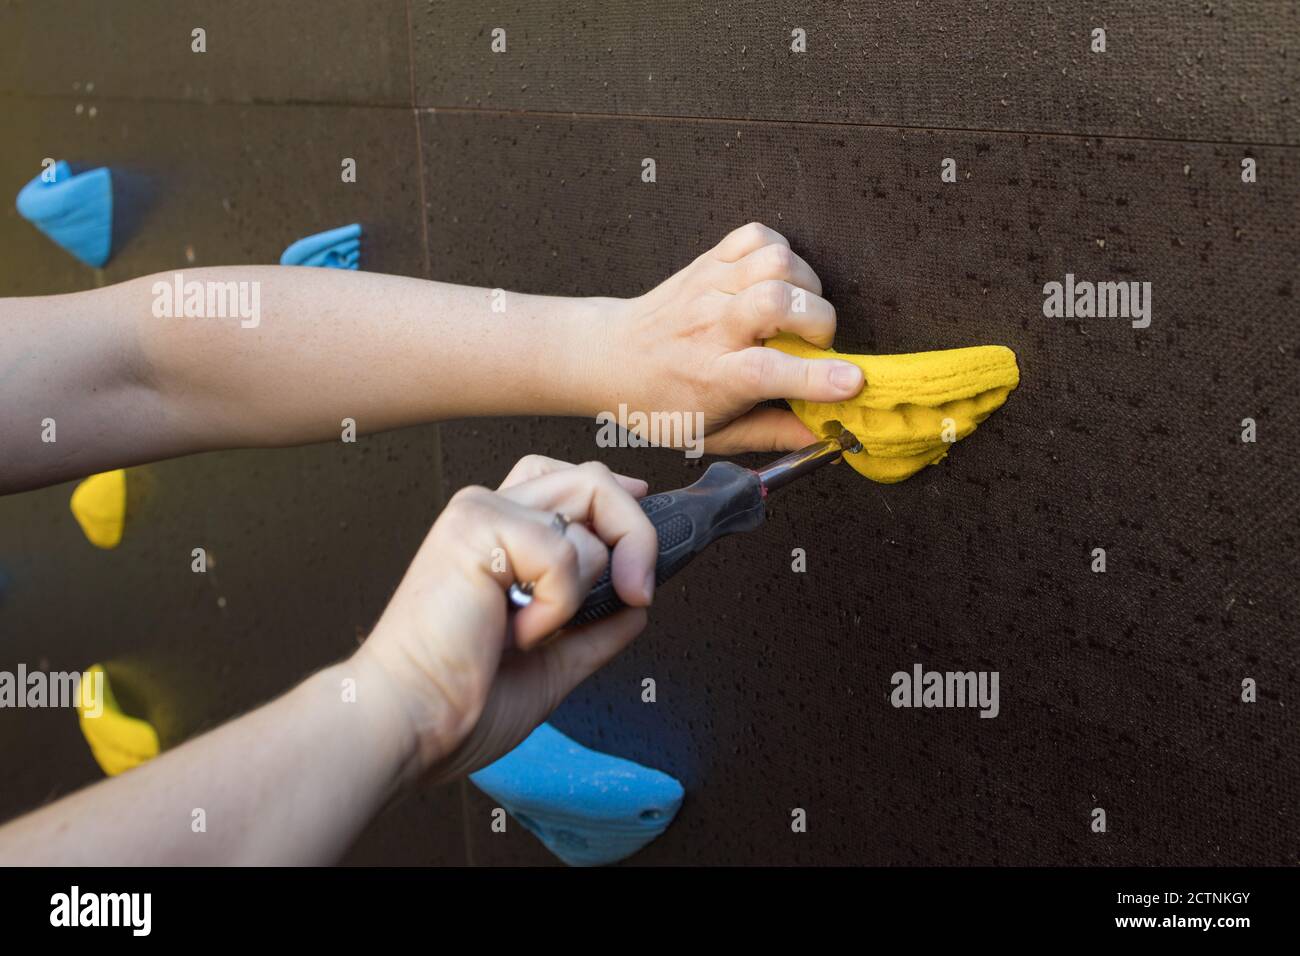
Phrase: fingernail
pixel 846 377
pixel 649 586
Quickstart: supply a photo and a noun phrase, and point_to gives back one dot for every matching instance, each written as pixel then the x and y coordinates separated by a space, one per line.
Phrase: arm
pixel 444 685
pixel 293 782
pixel 125 386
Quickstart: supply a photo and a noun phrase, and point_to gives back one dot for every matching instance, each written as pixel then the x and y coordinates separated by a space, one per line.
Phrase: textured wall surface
pixel 1118 690
pixel 1172 68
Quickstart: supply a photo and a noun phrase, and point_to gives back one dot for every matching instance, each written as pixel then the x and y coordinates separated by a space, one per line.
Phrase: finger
pixel 514 542
pixel 773 305
pixel 774 261
pixel 741 242
pixel 589 493
pixel 559 591
pixel 530 467
pixel 534 466
pixel 761 372
pixel 529 686
pixel 561 563
pixel 576 655
pixel 763 429
pixel 502 541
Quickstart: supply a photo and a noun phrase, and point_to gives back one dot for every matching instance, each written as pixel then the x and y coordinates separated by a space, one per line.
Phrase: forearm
pixel 384 350
pixel 293 782
pixel 125 385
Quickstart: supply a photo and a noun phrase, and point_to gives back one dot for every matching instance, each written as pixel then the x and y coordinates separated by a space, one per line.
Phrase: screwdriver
pixel 726 499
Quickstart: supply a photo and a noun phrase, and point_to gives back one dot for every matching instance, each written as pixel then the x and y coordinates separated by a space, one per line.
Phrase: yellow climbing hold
pixel 913 406
pixel 99 505
pixel 117 741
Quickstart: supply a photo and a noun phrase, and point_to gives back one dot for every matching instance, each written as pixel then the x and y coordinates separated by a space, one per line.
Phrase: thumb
pixel 768 372
pixel 762 429
pixel 531 684
pixel 570 657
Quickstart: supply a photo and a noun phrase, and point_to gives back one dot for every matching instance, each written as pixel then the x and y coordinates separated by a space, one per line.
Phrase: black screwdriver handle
pixel 725 500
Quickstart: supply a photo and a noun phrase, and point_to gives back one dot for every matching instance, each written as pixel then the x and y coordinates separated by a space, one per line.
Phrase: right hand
pixel 473 680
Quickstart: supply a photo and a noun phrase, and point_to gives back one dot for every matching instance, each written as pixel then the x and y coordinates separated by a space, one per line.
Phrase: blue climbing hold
pixel 76 211
pixel 587 807
pixel 336 249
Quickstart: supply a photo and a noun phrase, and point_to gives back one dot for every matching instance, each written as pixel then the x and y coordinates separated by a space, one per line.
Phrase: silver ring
pixel 521 595
pixel 561 522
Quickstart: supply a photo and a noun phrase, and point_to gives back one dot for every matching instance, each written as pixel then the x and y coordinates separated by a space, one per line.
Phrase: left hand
pixel 695 343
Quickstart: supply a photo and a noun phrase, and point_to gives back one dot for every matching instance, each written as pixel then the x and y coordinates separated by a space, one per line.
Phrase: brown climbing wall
pixel 1118 690
pixel 1181 69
